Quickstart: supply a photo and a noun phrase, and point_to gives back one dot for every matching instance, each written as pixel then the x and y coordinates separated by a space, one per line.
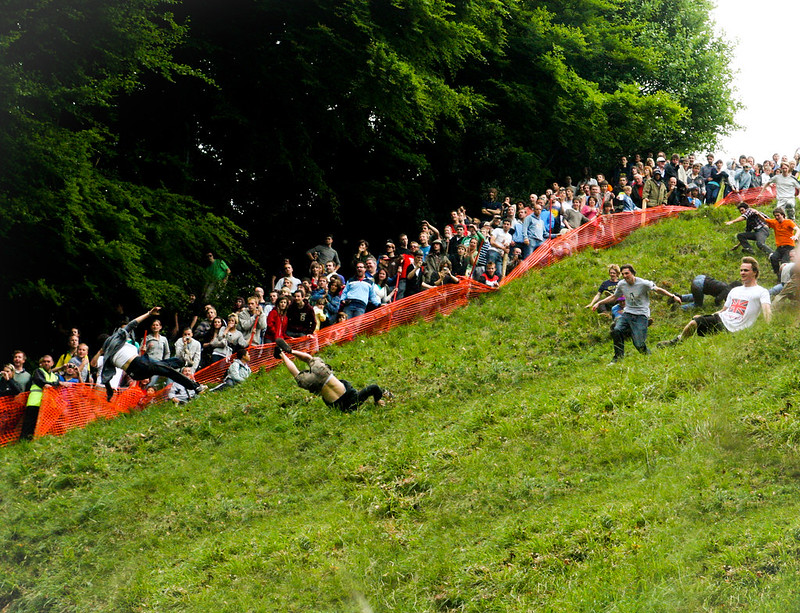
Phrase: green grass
pixel 514 472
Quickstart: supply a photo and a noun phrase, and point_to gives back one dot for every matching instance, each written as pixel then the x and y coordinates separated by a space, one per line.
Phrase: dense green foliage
pixel 514 472
pixel 137 133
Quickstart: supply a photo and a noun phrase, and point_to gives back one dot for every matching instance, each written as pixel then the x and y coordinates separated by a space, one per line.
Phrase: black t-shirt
pixel 607 287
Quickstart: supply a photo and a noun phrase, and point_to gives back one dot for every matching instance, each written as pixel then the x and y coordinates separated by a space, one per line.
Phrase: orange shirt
pixel 783 231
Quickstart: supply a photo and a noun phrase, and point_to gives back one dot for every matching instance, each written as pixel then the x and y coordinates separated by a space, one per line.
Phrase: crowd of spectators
pixel 484 244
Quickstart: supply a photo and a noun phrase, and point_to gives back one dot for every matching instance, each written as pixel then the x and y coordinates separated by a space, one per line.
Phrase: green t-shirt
pixel 217 271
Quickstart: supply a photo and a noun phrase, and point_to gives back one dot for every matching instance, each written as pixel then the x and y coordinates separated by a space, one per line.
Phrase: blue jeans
pixel 633 325
pixel 354 308
pixel 528 249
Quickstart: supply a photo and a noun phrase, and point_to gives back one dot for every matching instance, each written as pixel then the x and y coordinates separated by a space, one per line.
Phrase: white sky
pixel 768 83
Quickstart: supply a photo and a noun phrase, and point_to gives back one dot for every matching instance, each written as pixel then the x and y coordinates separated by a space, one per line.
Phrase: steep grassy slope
pixel 514 472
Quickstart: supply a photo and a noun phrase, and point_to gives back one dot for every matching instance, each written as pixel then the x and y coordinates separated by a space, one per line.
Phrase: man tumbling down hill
pixel 319 379
pixel 119 353
pixel 742 307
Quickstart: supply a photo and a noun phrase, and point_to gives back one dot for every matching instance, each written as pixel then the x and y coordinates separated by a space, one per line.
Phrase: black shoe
pixel 276 352
pixel 284 346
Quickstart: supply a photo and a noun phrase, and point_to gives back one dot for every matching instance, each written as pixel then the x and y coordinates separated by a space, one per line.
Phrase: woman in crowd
pixel 589 208
pixel 362 254
pixel 217 345
pixel 277 320
pixel 333 300
pixel 382 289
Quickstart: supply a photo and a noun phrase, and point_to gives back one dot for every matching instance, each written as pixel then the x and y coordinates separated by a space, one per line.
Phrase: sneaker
pixel 284 346
pixel 276 352
pixel 387 395
pixel 201 389
pixel 669 343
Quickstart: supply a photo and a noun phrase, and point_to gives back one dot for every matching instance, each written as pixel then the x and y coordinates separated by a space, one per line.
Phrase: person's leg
pixel 144 368
pixel 697 290
pixel 639 333
pixel 29 419
pixel 743 238
pixel 618 332
pixel 370 391
pixel 761 240
pixel 689 328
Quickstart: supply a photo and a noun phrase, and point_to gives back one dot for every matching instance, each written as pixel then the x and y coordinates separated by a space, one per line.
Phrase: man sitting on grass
pixel 742 307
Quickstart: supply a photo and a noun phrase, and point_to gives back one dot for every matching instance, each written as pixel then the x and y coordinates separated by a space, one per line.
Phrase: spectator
pixel 384 292
pixel 72 349
pixel 258 292
pixel 288 280
pixel 742 307
pixel 362 254
pixel 156 346
pixel 786 187
pixel 238 371
pixel 461 262
pixel 21 376
pixel 500 245
pixel 69 373
pixel 424 245
pixel 42 378
pixel 402 245
pixel 253 316
pixel 534 230
pixel 358 293
pixel 590 208
pixel 81 360
pixel 325 253
pixel 433 233
pixel 514 260
pixel 491 206
pixel 8 384
pixel 330 272
pixel 300 318
pixel 317 272
pixel 178 394
pixel 573 216
pixel 202 332
pixel 655 191
pixel 490 277
pixel 118 352
pixel 634 320
pixel 276 322
pixel 216 347
pixel 372 267
pixel 215 275
pixel 188 350
pixel 333 301
pixel 239 304
pixel 434 261
pixel 319 293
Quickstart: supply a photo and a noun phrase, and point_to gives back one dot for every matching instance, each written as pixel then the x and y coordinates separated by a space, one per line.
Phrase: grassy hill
pixel 515 471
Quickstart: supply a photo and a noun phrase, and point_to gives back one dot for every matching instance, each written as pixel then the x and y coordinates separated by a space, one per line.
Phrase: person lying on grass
pixel 742 307
pixel 320 380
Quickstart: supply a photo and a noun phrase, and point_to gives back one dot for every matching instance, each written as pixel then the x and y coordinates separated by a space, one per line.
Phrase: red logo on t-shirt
pixel 738 306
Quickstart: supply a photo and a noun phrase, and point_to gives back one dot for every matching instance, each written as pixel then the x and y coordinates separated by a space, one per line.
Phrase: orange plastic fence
pixel 67 407
pixel 752 196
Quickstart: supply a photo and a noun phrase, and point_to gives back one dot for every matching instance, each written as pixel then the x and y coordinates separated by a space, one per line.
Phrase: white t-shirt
pixel 502 237
pixel 743 306
pixel 125 353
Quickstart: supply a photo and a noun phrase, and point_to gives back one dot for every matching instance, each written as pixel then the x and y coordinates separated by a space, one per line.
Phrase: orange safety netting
pixel 754 196
pixel 73 406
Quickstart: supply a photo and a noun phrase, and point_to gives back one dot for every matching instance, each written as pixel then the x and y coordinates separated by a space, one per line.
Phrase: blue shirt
pixel 363 291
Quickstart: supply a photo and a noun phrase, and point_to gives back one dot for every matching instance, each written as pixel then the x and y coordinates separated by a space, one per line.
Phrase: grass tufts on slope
pixel 514 472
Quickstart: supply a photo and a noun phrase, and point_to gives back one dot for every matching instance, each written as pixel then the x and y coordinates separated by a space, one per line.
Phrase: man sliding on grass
pixel 319 379
pixel 742 307
pixel 118 352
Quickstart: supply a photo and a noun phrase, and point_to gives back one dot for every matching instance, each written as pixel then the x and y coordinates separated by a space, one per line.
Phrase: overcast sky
pixel 767 83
